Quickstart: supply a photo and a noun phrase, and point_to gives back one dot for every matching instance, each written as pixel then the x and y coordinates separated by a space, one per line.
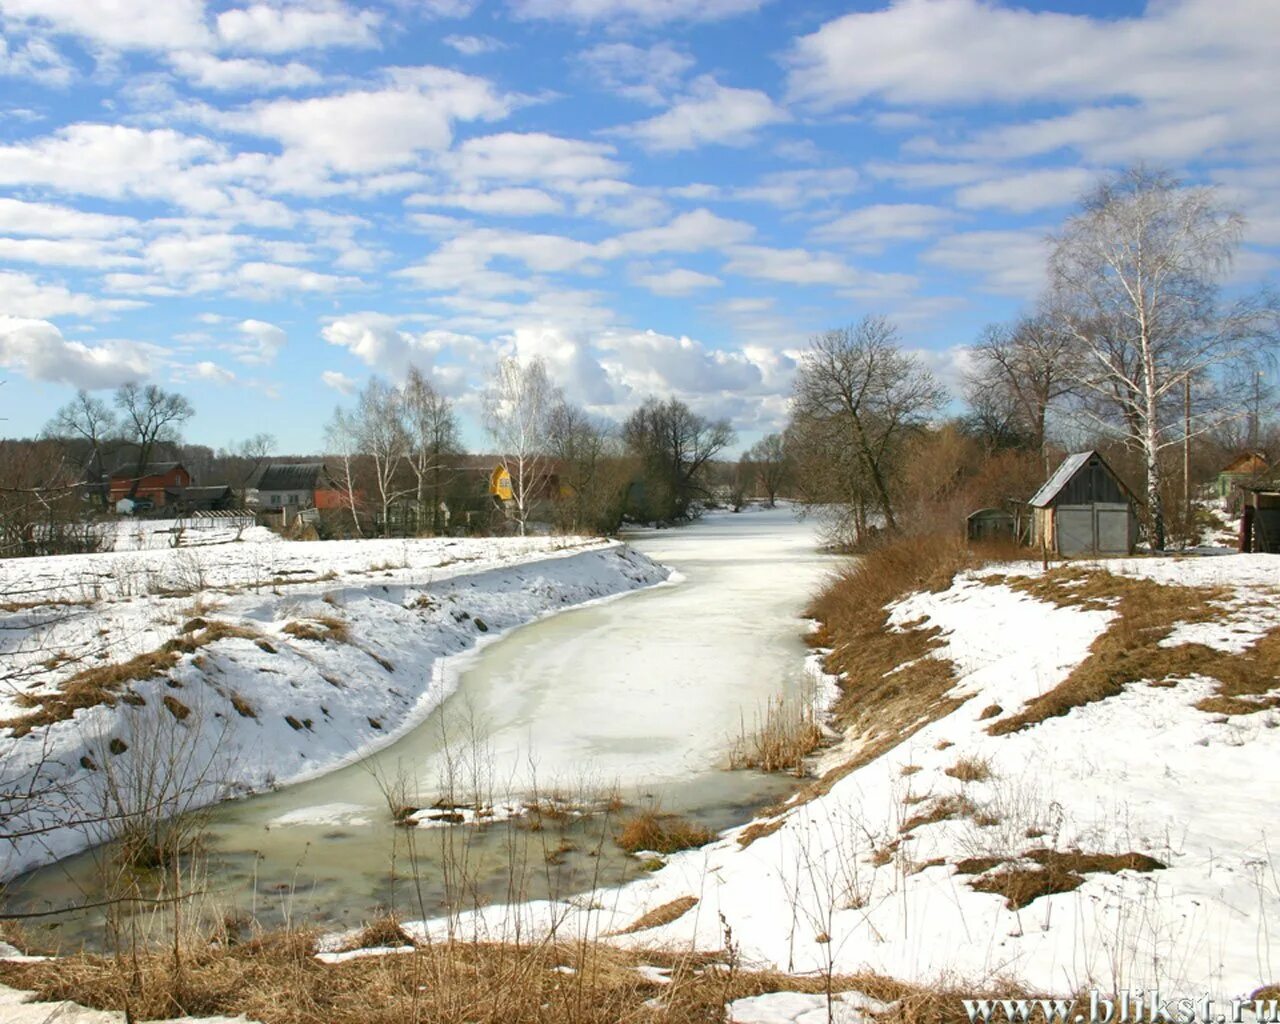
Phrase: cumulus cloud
pixel 267 28
pixel 35 60
pixel 643 12
pixel 506 202
pixel 367 130
pixel 206 71
pixel 260 342
pixel 1010 262
pixel 208 371
pixel 530 157
pixel 339 381
pixel 19 217
pixel 871 227
pixel 1029 190
pixel 645 74
pixel 677 281
pixel 379 342
pixel 710 113
pixel 118 24
pixel 37 349
pixel 21 295
pixel 474 46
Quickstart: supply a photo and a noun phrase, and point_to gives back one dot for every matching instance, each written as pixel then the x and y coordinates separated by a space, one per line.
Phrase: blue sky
pixel 262 202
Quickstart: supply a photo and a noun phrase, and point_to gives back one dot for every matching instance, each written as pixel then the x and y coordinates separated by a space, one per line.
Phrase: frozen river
pixel 639 696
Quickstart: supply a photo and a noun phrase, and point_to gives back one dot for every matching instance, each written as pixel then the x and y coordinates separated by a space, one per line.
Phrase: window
pixel 275 500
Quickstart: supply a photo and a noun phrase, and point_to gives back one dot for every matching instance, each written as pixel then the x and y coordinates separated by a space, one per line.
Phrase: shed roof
pixel 291 476
pixel 1061 476
pixel 1247 462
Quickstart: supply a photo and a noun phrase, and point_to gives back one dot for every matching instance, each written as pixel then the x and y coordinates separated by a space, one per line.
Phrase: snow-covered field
pixel 288 659
pixel 842 885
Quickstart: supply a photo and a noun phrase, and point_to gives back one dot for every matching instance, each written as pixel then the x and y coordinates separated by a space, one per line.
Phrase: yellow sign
pixel 500 483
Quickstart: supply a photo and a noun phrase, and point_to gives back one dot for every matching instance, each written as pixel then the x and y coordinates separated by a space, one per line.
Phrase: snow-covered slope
pixel 253 665
pixel 850 882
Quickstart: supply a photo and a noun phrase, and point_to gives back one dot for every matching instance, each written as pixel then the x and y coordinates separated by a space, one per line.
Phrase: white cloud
pixel 261 343
pixel 266 28
pixel 37 349
pixel 510 202
pixel 211 372
pixel 474 46
pixel 380 343
pixel 871 227
pixel 1028 191
pixel 695 231
pixel 785 189
pixel 36 61
pixel 678 281
pixel 1010 262
pixel 530 157
pixel 66 252
pixel 643 12
pixel 967 51
pixel 646 74
pixel 18 217
pixel 340 382
pixel 649 363
pixel 23 296
pixel 710 113
pixel 271 279
pixel 367 130
pixel 118 24
pixel 206 71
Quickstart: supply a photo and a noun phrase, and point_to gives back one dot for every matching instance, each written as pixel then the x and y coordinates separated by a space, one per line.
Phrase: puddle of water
pixel 637 698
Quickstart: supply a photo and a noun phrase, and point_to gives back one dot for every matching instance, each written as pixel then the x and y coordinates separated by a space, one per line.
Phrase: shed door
pixel 1075 530
pixel 1113 529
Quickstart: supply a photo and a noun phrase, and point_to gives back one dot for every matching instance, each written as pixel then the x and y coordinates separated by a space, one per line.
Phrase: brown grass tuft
pixel 662 833
pixel 320 629
pixel 783 737
pixel 659 916
pixel 971 769
pixel 1056 872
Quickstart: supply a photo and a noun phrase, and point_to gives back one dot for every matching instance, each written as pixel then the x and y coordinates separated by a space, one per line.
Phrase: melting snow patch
pixel 803 1008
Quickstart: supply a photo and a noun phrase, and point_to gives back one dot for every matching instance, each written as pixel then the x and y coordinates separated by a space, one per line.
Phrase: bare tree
pixel 593 481
pixel 858 382
pixel 88 420
pixel 517 414
pixel 1135 279
pixel 341 436
pixel 381 434
pixel 433 439
pixel 768 457
pixel 1023 369
pixel 150 416
pixel 675 446
pixel 249 456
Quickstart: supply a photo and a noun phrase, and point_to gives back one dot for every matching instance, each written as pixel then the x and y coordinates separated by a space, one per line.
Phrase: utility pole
pixel 1186 447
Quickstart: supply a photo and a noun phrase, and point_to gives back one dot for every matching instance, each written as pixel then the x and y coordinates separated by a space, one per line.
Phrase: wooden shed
pixel 1084 509
pixel 1260 520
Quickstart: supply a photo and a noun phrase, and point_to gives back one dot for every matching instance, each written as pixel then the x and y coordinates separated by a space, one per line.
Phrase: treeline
pixel 399 447
pixel 1132 350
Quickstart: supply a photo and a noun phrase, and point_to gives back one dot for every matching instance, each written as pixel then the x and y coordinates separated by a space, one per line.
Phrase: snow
pixel 804 1008
pixel 408 608
pixel 841 887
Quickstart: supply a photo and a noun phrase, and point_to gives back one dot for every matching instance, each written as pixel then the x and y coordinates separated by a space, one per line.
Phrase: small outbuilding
pixel 989 525
pixel 1244 468
pixel 1260 520
pixel 1084 509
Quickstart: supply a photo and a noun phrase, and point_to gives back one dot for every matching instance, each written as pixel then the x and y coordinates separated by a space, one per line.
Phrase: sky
pixel 260 203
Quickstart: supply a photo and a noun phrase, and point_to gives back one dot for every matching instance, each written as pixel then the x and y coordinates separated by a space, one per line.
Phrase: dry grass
pixel 108 684
pixel 892 683
pixel 659 916
pixel 320 629
pixel 275 979
pixel 943 808
pixel 381 932
pixel 1130 650
pixel 786 734
pixel 1055 872
pixel 971 769
pixel 102 684
pixel 661 833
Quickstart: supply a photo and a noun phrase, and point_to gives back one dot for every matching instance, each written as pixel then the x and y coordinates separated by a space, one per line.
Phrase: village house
pixel 294 485
pixel 1247 467
pixel 160 483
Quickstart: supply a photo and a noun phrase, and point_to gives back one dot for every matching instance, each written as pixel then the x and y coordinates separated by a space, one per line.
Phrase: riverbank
pixel 1061 779
pixel 245 667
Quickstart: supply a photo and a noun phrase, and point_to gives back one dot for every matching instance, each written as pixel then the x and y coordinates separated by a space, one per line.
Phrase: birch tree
pixel 433 438
pixel 382 436
pixel 517 413
pixel 1135 279
pixel 341 438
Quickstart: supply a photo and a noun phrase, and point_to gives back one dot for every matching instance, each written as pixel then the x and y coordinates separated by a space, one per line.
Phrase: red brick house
pixel 159 482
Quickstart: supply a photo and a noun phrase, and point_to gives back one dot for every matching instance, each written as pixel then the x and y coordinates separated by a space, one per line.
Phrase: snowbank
pixel 850 882
pixel 288 660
